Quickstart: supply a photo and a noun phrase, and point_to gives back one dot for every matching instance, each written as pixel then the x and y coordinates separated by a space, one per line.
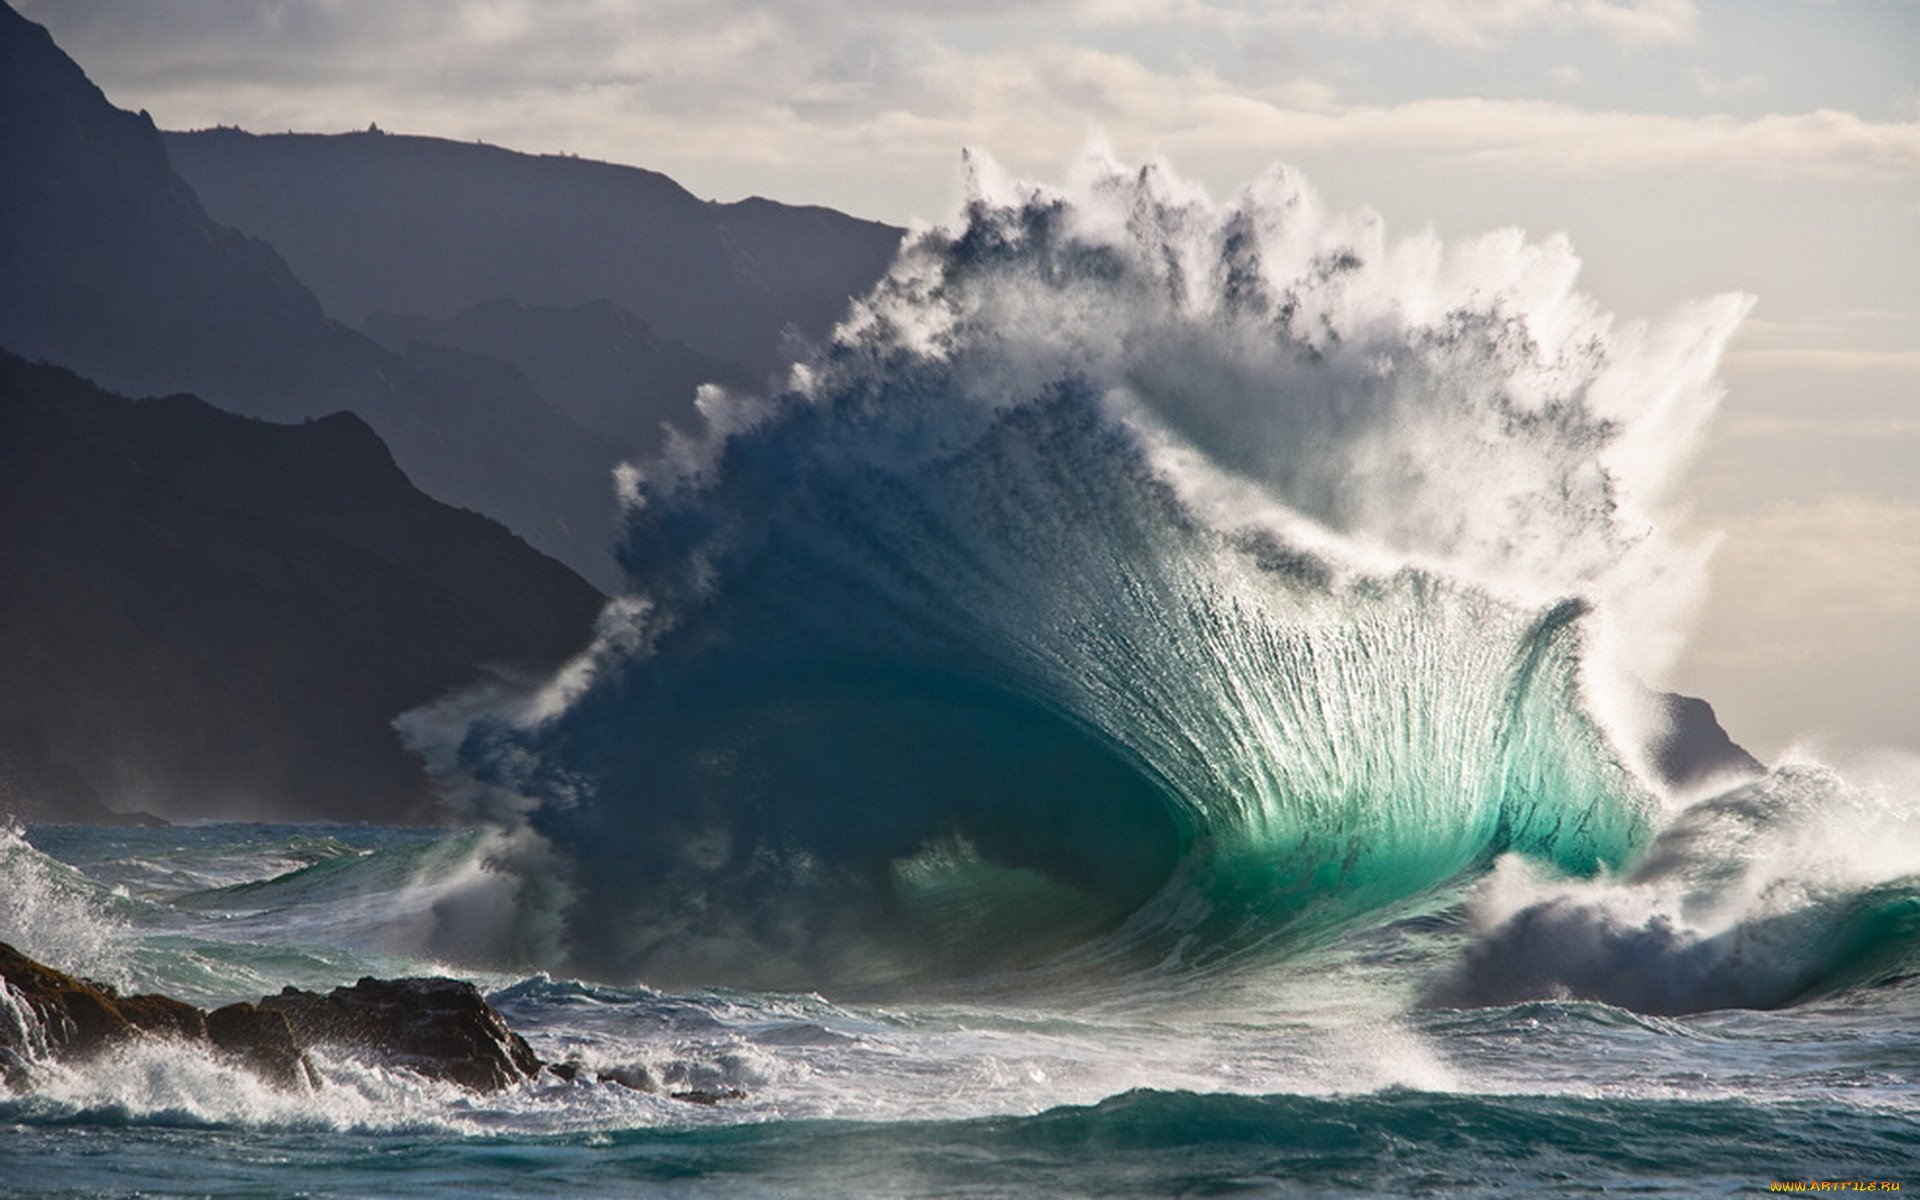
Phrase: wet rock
pixel 74 1016
pixel 440 1028
pixel 709 1095
pixel 640 1078
pixel 262 1040
pixel 163 1016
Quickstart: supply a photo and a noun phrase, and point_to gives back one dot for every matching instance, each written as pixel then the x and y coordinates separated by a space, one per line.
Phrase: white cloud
pixel 1008 100
pixel 1804 426
pixel 1540 136
pixel 679 84
pixel 1484 22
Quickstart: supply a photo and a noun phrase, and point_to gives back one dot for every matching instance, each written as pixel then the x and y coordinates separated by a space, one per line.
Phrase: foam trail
pixel 1130 573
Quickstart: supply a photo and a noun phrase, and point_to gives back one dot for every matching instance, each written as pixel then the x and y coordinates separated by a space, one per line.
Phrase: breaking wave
pixel 1132 577
pixel 1786 888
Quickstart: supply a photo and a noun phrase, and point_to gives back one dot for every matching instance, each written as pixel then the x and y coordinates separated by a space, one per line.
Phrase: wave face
pixel 1131 577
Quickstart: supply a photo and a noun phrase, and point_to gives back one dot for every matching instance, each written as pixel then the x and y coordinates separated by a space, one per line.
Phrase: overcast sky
pixel 1767 146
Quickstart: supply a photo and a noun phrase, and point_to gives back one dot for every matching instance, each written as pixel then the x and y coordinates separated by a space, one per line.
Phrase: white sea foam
pixel 1752 898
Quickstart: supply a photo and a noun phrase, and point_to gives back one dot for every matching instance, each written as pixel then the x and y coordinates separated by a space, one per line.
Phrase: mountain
pixel 1693 748
pixel 599 364
pixel 207 615
pixel 384 223
pixel 110 265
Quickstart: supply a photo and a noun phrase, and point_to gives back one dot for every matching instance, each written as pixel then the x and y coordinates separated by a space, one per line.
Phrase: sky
pixel 1687 147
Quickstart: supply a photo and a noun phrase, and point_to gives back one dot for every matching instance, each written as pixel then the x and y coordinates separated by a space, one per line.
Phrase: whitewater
pixel 1161 703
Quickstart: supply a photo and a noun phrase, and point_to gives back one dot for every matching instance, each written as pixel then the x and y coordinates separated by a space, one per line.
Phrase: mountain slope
pixel 207 615
pixel 109 265
pixel 386 223
pixel 596 362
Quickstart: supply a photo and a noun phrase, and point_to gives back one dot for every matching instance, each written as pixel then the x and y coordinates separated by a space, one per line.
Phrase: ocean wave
pixel 1132 578
pixel 1791 887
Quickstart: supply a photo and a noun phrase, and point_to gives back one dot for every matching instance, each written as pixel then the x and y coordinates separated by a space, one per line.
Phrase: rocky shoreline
pixel 442 1029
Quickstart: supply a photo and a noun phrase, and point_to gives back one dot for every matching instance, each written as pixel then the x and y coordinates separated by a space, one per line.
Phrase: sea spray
pixel 1130 576
pixel 1792 885
pixel 57 914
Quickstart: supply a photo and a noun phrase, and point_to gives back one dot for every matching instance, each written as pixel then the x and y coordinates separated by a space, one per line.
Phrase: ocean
pixel 1156 706
pixel 1319 1074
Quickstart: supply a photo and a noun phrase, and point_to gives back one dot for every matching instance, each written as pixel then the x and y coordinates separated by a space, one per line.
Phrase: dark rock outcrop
pixel 79 1017
pixel 260 1039
pixel 638 1077
pixel 440 1028
pixel 206 615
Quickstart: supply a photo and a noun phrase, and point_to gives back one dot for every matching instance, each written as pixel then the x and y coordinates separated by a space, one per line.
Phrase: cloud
pixel 1546 137
pixel 1002 100
pixel 1803 427
pixel 1484 22
pixel 832 88
pixel 1881 340
pixel 1720 87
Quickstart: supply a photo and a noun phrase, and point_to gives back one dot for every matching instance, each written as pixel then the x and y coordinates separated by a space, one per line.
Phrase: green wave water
pixel 1236 601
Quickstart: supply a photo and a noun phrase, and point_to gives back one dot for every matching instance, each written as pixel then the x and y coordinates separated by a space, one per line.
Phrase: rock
pixel 74 1016
pixel 440 1028
pixel 262 1040
pixel 640 1078
pixel 163 1016
pixel 710 1096
pixel 634 1076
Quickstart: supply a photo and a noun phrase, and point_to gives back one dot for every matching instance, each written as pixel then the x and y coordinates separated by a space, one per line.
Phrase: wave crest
pixel 1128 571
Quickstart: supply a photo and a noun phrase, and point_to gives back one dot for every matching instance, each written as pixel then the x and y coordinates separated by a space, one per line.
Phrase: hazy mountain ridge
pixel 601 365
pixel 390 223
pixel 109 265
pixel 203 614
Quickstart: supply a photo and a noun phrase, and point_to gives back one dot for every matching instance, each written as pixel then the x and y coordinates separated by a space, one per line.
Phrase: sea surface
pixel 1320 1073
pixel 1161 704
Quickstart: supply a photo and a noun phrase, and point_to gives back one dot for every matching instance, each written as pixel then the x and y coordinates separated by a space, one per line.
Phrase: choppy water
pixel 1318 1074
